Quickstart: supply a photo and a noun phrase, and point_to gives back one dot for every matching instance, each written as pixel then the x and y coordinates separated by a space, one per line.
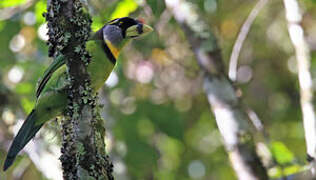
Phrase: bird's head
pixel 118 32
pixel 128 27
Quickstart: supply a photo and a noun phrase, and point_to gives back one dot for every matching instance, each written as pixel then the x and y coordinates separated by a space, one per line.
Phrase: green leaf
pixel 97 23
pixel 124 8
pixel 145 127
pixel 27 104
pixel 167 119
pixel 40 8
pixel 275 172
pixel 279 172
pixel 24 88
pixel 157 6
pixel 10 3
pixel 281 153
pixel 292 169
pixel 2 25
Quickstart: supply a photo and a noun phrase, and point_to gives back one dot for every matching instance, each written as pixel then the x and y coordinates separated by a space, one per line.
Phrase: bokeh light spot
pixel 29 18
pixel 42 32
pixel 116 96
pixel 196 169
pixel 8 116
pixel 144 72
pixel 244 74
pixel 119 167
pixel 210 5
pixel 15 74
pixel 17 43
pixel 128 105
pixel 121 148
pixel 229 28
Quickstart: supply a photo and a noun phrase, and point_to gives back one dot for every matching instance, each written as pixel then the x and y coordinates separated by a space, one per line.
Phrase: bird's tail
pixel 25 134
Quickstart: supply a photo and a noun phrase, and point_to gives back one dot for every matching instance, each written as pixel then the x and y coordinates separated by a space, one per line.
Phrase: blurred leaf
pixel 292 169
pixel 97 23
pixel 281 153
pixel 124 8
pixel 166 118
pixel 142 156
pixel 10 3
pixel 116 10
pixel 27 105
pixel 279 172
pixel 159 141
pixel 24 88
pixel 2 24
pixel 40 8
pixel 171 150
pixel 275 172
pixel 157 6
pixel 145 127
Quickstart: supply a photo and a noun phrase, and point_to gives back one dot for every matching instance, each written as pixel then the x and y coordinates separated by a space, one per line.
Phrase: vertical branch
pixel 296 32
pixel 83 149
pixel 231 119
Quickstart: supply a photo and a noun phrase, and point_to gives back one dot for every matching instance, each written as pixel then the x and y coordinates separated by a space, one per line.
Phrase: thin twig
pixel 233 62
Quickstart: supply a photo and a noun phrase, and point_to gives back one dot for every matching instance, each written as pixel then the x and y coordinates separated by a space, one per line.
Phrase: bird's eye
pixel 140 28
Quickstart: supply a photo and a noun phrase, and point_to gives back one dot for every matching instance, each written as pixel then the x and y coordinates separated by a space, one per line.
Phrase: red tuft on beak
pixel 141 20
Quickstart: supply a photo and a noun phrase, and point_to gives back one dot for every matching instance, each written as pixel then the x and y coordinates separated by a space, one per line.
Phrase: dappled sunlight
pixel 158 120
pixel 196 169
pixel 144 72
pixel 42 32
pixel 17 43
pixel 244 74
pixel 15 74
pixel 8 117
pixel 29 18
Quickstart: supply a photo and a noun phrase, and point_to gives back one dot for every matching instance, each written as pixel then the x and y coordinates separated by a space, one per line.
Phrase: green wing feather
pixel 26 133
pixel 57 63
pixel 52 97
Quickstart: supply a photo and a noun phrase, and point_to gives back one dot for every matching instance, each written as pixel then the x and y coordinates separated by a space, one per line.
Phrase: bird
pixel 51 94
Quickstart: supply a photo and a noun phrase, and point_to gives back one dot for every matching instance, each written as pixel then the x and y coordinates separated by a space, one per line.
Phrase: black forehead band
pixel 125 23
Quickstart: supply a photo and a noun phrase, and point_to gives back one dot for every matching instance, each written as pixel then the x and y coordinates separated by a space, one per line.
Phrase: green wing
pixel 57 63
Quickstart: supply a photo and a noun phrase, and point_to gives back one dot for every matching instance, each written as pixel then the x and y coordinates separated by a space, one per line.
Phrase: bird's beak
pixel 138 30
pixel 147 29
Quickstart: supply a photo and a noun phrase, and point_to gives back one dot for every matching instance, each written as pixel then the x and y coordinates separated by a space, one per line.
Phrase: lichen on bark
pixel 83 148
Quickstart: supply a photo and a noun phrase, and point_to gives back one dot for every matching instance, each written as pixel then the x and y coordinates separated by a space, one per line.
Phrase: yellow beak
pixel 138 30
pixel 147 29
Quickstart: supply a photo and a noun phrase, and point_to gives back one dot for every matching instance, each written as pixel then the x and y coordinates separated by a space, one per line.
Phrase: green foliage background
pixel 159 124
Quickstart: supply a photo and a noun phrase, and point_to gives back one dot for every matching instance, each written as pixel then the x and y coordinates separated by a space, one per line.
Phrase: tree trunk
pixel 83 149
pixel 231 118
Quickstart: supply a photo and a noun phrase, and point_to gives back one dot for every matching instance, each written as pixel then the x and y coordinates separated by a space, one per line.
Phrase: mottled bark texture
pixel 231 118
pixel 83 149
